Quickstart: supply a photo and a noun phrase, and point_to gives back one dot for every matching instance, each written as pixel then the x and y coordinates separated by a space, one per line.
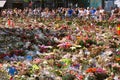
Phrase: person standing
pixel 70 12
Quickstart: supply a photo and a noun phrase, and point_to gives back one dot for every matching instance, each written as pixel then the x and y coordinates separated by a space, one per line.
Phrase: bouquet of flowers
pixel 116 68
pixel 117 56
pixel 91 70
pixel 65 45
pixel 68 77
pixel 99 73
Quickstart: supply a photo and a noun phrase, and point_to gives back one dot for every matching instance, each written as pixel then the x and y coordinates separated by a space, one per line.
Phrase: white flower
pixel 72 48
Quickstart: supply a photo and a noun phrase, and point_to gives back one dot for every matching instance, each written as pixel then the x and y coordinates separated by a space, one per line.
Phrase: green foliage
pixel 69 23
pixel 68 77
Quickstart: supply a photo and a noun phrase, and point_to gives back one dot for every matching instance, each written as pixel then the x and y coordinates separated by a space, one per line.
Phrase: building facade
pixel 53 3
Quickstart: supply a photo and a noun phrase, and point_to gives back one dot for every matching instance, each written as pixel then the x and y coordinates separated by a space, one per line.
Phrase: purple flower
pixel 118 53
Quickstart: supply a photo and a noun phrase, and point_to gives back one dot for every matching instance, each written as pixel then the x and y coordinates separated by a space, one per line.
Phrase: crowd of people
pixel 59 44
pixel 97 14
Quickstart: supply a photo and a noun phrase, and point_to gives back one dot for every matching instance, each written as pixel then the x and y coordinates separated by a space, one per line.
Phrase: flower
pixel 65 45
pixel 36 61
pixel 79 77
pixel 95 70
pixel 99 73
pixel 91 70
pixel 1 65
pixel 100 70
pixel 117 56
pixel 117 59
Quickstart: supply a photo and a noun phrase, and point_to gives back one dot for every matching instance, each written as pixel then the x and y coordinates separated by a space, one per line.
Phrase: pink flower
pixel 100 70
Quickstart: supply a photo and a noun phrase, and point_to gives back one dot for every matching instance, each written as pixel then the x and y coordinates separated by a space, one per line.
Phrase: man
pixel 70 12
